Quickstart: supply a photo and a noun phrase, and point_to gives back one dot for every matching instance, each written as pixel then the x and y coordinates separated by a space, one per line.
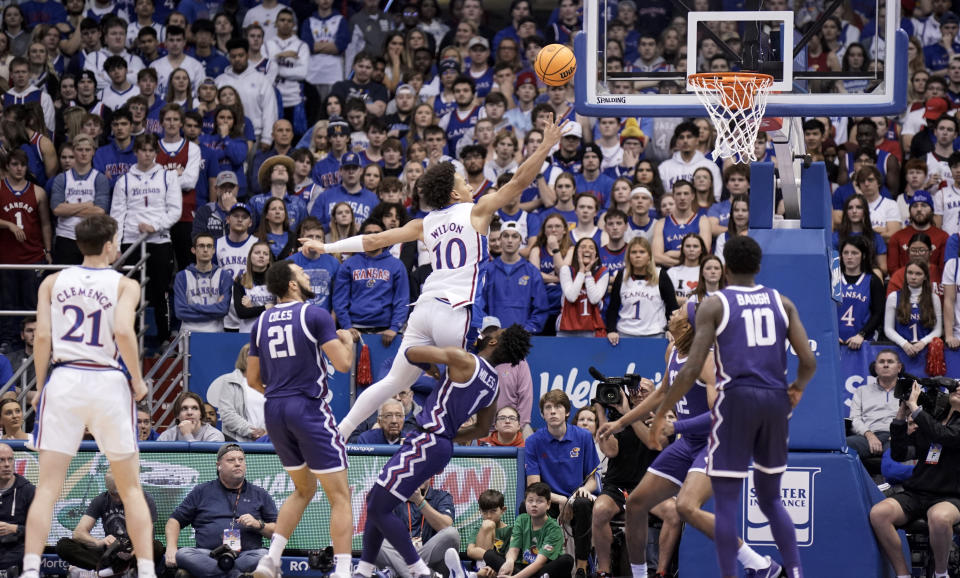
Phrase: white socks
pixel 750 559
pixel 31 562
pixel 365 568
pixel 419 568
pixel 342 562
pixel 639 570
pixel 146 568
pixel 277 544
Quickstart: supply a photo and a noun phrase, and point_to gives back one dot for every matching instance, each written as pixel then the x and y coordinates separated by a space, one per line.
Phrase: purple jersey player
pixel 286 362
pixel 749 326
pixel 471 387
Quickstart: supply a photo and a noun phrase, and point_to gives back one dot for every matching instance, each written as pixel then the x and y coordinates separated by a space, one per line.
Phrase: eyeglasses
pixel 391 415
pixel 507 418
pixel 920 251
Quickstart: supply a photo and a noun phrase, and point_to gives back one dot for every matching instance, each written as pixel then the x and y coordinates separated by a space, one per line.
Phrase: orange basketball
pixel 555 64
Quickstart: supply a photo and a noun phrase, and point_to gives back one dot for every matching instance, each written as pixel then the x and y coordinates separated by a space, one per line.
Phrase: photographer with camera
pixel 933 490
pixel 16 493
pixel 112 554
pixel 230 517
pixel 628 458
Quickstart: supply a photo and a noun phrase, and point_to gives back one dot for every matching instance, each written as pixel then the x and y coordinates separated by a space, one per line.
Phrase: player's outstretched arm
pixel 460 364
pixel 487 205
pixel 412 231
pixel 125 334
pixel 797 335
pixel 42 343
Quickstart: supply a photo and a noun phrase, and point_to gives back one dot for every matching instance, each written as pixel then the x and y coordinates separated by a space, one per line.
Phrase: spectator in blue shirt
pixel 565 456
pixel 227 508
pixel 514 290
pixel 202 291
pixel 350 191
pixel 322 270
pixel 390 419
pixel 371 293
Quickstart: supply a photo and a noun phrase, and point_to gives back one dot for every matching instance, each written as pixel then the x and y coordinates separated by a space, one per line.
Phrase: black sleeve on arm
pixel 244 312
pixel 878 301
pixel 613 310
pixel 668 294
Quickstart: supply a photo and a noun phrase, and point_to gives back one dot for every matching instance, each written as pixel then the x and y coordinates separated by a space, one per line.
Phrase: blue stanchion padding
pixel 816 208
pixel 795 262
pixel 763 199
pixel 828 496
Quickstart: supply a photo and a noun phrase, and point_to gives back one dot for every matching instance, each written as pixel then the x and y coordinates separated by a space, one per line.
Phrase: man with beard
pixel 474 158
pixel 921 221
pixel 299 421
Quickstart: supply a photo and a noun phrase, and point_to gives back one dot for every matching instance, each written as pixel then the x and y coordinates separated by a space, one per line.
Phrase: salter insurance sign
pixel 797 487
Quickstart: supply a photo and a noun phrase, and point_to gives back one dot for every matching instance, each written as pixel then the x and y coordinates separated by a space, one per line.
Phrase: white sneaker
pixel 267 568
pixel 452 559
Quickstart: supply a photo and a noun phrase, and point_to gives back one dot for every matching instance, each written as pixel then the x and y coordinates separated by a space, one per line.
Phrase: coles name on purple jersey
pixel 452 404
pixel 751 345
pixel 288 339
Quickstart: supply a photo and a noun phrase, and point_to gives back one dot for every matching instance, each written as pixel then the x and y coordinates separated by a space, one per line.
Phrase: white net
pixel 736 103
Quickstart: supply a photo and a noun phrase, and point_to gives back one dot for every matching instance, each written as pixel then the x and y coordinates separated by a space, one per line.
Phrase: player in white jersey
pixel 85 328
pixel 452 234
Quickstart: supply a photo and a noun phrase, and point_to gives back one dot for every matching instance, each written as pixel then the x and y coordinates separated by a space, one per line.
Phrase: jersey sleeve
pixel 320 324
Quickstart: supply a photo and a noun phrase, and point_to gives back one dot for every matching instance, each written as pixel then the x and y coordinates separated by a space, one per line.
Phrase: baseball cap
pixel 338 127
pixel 240 207
pixel 448 64
pixel 628 4
pixel 935 108
pixel 209 80
pixel 490 321
pixel 594 148
pixel 574 129
pixel 921 196
pixel 949 17
pixel 406 88
pixel 350 160
pixel 479 40
pixel 642 191
pixel 525 77
pixel 226 448
pixel 227 177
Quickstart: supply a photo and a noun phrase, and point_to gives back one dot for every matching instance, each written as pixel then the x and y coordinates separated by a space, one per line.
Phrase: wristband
pixel 422 504
pixel 555 251
pixel 262 525
pixel 349 245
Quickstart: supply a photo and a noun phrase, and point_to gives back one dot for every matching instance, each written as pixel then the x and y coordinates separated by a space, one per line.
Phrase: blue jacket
pixel 114 162
pixel 326 172
pixel 516 295
pixel 192 289
pixel 209 507
pixel 234 151
pixel 296 210
pixel 376 437
pixel 210 160
pixel 210 218
pixel 371 291
pixel 362 203
pixel 322 271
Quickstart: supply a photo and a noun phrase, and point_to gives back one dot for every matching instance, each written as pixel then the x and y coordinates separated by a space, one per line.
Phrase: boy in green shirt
pixel 493 534
pixel 536 542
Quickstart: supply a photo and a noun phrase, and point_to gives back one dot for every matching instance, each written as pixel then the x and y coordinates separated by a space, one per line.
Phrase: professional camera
pixel 122 545
pixel 225 557
pixel 321 560
pixel 610 389
pixel 932 399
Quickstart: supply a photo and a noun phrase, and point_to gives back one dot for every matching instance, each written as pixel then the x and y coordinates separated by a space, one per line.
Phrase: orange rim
pixel 737 89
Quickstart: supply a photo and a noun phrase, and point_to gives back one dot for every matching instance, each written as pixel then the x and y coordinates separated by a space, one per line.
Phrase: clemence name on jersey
pixel 89 293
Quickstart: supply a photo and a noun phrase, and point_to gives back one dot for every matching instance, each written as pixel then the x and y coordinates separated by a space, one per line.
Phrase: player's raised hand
pixel 311 247
pixel 553 132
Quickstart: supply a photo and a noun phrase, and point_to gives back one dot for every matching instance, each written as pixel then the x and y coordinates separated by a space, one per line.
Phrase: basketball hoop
pixel 736 102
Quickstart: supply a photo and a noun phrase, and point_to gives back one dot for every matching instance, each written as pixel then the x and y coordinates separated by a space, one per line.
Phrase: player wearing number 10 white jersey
pixel 84 323
pixel 452 234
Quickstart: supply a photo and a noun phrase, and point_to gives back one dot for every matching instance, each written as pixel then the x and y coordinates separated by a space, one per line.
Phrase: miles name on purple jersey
pixel 452 404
